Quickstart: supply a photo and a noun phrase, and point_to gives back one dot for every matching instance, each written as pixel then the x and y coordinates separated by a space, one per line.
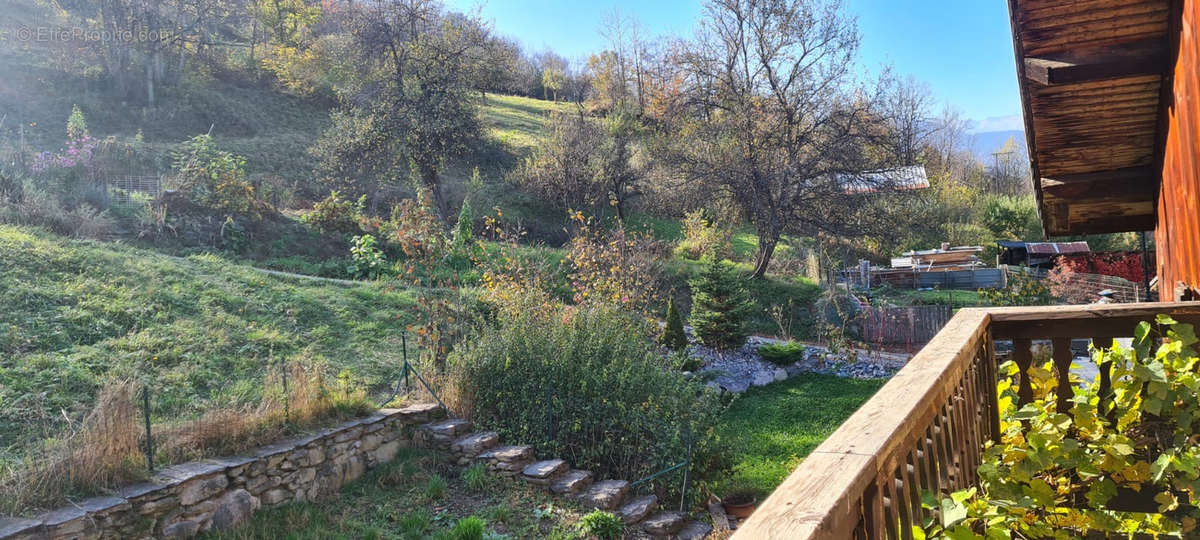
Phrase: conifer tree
pixel 719 306
pixel 674 337
pixel 464 230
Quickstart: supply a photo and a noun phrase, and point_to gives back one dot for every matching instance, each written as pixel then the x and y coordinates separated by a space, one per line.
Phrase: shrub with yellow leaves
pixel 614 266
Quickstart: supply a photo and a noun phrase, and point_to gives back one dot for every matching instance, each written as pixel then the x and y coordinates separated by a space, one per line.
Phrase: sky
pixel 961 48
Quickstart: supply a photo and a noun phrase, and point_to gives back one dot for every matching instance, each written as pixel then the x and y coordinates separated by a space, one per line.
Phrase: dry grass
pixel 101 452
pixel 310 401
pixel 107 450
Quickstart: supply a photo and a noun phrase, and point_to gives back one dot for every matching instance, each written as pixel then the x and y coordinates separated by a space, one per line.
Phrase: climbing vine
pixel 1123 463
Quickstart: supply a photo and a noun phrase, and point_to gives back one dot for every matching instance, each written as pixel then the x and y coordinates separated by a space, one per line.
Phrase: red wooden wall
pixel 1178 232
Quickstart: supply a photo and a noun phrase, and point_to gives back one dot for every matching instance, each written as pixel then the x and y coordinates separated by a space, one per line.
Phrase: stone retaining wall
pixel 185 500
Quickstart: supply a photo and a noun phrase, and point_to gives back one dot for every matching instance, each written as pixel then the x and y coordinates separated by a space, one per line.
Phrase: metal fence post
pixel 687 469
pixel 287 399
pixel 149 438
pixel 404 353
pixel 550 413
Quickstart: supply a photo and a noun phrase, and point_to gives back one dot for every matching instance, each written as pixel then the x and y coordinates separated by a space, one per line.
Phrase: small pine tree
pixel 719 306
pixel 464 230
pixel 674 337
pixel 76 124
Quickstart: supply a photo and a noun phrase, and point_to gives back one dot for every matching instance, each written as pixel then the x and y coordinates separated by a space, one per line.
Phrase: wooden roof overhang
pixel 1091 74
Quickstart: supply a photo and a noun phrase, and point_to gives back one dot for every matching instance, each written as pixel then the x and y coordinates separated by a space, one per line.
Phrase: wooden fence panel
pixel 912 325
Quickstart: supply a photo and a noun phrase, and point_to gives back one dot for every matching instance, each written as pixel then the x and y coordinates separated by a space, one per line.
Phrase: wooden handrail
pixel 926 428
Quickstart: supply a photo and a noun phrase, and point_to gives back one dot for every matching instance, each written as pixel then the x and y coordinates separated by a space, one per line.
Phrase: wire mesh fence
pixel 135 426
pixel 1080 288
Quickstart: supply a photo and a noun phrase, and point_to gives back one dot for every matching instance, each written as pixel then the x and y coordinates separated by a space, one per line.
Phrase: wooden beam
pixel 1112 320
pixel 1113 62
pixel 1139 182
pixel 1113 224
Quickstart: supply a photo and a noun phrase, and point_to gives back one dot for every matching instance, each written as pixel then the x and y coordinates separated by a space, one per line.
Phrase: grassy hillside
pixel 517 122
pixel 200 331
pixel 247 113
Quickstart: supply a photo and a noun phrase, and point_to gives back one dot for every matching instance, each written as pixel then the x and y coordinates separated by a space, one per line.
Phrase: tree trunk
pixel 150 84
pixel 253 38
pixel 766 249
pixel 429 180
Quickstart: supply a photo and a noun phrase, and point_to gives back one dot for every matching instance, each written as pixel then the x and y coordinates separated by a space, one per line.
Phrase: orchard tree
pixel 772 114
pixel 553 80
pixel 411 107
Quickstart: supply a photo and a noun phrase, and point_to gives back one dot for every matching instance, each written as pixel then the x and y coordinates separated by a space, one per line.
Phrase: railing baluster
pixel 971 419
pixel 928 461
pixel 1062 367
pixel 944 458
pixel 991 378
pixel 873 511
pixel 1105 367
pixel 1023 356
pixel 903 505
pixel 958 437
pixel 912 482
pixel 891 521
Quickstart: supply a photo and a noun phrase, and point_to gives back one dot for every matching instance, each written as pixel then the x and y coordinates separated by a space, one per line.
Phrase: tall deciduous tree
pixel 773 115
pixel 412 108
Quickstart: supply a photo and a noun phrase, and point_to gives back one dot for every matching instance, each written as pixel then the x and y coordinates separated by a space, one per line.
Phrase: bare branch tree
pixel 773 116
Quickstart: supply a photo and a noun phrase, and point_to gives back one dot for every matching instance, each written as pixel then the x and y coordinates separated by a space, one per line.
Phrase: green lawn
pixel 772 428
pixel 201 331
pixel 910 297
pixel 413 497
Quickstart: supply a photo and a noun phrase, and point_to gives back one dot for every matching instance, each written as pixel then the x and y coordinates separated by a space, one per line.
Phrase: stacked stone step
pixel 639 513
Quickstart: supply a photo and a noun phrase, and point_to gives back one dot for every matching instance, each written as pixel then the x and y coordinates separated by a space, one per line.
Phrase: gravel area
pixel 736 371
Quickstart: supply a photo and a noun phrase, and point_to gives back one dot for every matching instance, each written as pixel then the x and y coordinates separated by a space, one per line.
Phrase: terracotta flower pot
pixel 740 509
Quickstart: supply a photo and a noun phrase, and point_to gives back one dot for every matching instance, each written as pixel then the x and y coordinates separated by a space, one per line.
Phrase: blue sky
pixel 961 48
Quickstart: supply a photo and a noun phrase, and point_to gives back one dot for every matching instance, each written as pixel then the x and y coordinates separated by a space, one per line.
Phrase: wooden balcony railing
pixel 926 428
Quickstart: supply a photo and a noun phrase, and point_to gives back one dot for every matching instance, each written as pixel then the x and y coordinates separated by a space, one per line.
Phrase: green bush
pixel 782 354
pixel 719 306
pixel 602 525
pixel 703 238
pixel 583 384
pixel 464 230
pixel 435 488
pixel 213 178
pixel 1022 290
pixel 674 337
pixel 366 260
pixel 682 361
pixel 335 214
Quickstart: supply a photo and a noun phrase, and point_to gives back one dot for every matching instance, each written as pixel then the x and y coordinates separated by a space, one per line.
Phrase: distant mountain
pixel 985 142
